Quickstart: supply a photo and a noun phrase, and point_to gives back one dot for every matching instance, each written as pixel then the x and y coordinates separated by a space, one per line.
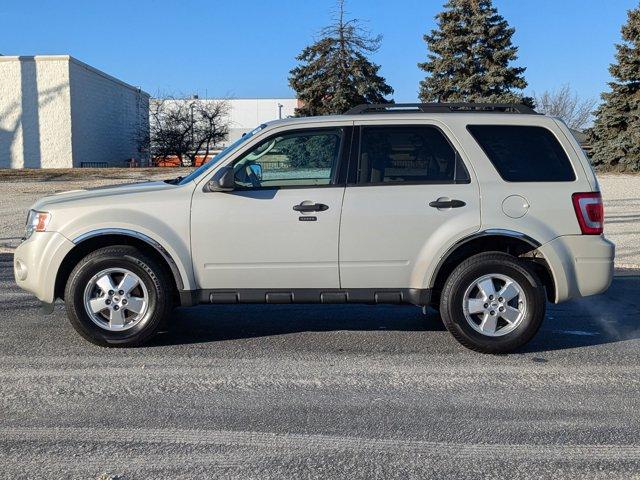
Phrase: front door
pixel 279 227
pixel 409 195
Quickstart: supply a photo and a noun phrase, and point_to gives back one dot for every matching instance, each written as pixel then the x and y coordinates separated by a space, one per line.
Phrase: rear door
pixel 409 193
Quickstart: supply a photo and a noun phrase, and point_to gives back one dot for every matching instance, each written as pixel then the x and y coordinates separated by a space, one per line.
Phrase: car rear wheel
pixel 493 303
pixel 118 296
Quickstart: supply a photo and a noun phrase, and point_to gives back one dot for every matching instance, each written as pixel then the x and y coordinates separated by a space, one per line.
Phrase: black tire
pixel 452 300
pixel 152 274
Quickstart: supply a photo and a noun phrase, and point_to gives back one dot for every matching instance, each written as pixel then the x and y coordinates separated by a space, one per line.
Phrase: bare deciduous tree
pixel 186 128
pixel 565 103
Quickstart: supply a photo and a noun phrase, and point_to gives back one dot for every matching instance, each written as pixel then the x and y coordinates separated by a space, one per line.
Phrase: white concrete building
pixel 247 113
pixel 57 112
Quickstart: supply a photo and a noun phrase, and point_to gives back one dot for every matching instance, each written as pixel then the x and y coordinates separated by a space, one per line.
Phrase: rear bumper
pixel 581 265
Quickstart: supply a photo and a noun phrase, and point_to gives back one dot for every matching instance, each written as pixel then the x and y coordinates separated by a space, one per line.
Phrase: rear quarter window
pixel 524 153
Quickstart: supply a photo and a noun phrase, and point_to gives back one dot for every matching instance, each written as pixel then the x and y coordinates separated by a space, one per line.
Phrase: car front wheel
pixel 493 303
pixel 117 296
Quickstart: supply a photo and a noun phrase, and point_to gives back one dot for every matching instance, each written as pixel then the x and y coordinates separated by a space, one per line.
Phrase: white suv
pixel 483 211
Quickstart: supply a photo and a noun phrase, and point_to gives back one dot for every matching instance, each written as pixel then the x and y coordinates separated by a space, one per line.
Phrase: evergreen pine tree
pixel 469 57
pixel 615 136
pixel 335 74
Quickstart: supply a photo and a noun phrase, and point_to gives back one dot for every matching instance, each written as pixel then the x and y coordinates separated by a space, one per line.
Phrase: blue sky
pixel 246 48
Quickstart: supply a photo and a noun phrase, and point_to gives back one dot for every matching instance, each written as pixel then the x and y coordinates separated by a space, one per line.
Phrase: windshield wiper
pixel 174 181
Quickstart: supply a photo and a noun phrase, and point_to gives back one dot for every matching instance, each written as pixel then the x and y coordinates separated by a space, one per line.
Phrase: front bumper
pixel 36 262
pixel 581 265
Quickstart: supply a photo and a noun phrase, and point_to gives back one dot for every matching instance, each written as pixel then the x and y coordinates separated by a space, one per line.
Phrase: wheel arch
pixel 493 240
pixel 95 239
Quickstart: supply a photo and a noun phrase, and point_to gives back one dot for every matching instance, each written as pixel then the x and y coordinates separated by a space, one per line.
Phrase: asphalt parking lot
pixel 321 392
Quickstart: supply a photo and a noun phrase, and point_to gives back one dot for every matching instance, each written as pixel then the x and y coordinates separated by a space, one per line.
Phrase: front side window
pixel 408 154
pixel 297 159
pixel 220 156
pixel 524 153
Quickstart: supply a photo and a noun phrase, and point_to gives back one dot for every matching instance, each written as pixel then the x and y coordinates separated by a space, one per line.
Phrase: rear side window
pixel 524 153
pixel 408 154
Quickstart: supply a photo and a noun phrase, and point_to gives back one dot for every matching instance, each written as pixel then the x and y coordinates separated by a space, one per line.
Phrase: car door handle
pixel 444 202
pixel 311 207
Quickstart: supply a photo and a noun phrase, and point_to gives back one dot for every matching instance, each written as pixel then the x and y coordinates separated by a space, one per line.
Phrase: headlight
pixel 36 222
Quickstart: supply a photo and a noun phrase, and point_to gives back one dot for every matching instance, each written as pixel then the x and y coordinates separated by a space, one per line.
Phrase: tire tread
pixel 477 261
pixel 155 271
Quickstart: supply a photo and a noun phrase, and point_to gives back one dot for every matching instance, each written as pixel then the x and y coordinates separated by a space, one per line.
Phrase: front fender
pixel 180 273
pixel 173 247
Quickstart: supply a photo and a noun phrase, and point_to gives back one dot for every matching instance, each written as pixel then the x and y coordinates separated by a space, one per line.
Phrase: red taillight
pixel 590 212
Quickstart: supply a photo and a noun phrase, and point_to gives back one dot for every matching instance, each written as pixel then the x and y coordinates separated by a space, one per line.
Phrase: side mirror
pixel 222 181
pixel 256 169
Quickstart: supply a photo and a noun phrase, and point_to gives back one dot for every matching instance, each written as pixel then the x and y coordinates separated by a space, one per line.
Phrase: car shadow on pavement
pixel 231 322
pixel 608 318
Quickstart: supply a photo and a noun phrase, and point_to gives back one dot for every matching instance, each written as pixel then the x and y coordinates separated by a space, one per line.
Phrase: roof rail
pixel 441 108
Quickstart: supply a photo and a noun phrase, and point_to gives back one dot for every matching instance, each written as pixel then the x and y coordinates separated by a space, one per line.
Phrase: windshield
pixel 220 156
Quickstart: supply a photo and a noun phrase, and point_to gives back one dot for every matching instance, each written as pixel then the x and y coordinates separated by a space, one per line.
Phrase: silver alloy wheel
pixel 494 305
pixel 116 299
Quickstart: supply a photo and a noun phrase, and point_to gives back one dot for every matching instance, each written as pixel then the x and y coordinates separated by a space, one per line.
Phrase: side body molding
pixel 140 236
pixel 491 232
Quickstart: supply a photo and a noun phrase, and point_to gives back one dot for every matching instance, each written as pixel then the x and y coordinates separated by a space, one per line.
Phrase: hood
pixel 98 192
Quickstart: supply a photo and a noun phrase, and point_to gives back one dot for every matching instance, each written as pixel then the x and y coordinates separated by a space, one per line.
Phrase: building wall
pixel 56 112
pixel 247 114
pixel 35 120
pixel 107 116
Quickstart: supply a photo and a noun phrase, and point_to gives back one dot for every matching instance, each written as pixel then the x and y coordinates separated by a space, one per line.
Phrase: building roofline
pixel 229 98
pixel 69 58
pixel 252 98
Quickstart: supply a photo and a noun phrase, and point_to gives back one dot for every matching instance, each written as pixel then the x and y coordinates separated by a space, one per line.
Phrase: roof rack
pixel 441 108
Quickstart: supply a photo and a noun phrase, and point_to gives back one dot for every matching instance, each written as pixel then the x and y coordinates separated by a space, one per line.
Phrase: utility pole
pixel 192 126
